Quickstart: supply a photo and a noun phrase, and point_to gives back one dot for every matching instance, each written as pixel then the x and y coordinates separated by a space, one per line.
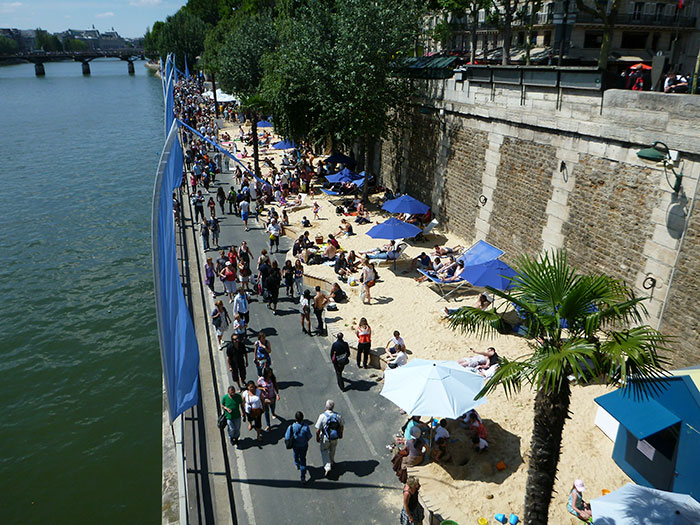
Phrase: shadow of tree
pixel 467 464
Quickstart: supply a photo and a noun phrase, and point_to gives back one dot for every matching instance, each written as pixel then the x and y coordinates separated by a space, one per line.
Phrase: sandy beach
pixel 469 486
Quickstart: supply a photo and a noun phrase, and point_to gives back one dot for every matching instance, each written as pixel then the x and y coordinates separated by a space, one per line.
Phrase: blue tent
pixel 187 70
pixel 406 204
pixel 657 440
pixel 494 273
pixel 339 158
pixel 285 144
pixel 393 229
pixel 635 504
pixel 264 124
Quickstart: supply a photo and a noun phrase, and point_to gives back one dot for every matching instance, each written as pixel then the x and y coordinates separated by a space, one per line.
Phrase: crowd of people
pixel 235 273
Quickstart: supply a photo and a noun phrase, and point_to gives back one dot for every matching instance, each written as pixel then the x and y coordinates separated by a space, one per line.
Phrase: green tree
pixel 460 8
pixel 211 12
pixel 47 41
pixel 8 46
pixel 73 44
pixel 602 315
pixel 607 13
pixel 528 15
pixel 183 34
pixel 333 76
pixel 151 40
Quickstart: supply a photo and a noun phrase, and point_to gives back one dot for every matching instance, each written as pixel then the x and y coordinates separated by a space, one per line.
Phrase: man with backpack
pixel 329 429
pixel 297 438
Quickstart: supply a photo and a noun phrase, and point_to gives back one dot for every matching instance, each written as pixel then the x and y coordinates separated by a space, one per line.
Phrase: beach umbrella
pixel 494 273
pixel 433 388
pixel 284 144
pixel 393 229
pixel 636 504
pixel 406 204
pixel 339 158
pixel 264 124
pixel 344 175
pixel 640 65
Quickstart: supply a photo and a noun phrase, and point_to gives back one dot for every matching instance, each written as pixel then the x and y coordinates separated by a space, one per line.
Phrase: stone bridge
pixel 39 57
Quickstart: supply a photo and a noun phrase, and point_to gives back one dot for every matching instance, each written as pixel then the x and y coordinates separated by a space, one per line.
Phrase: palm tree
pixel 604 339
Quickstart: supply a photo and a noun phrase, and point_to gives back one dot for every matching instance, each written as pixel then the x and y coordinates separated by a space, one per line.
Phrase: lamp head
pixel 658 152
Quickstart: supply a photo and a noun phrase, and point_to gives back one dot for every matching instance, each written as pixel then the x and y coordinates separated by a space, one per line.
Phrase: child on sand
pixel 317 208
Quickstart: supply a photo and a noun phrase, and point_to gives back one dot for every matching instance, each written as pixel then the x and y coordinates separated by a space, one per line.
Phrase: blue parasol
pixel 393 229
pixel 285 144
pixel 339 158
pixel 494 273
pixel 264 124
pixel 406 204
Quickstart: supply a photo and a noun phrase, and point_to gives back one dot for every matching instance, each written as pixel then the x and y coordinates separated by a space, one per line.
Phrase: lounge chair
pixel 429 227
pixel 442 285
pixel 401 249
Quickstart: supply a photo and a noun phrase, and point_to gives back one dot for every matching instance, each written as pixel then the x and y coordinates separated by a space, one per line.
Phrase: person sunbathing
pixel 422 261
pixel 445 250
pixel 482 302
pixel 452 271
pixel 383 249
pixel 437 266
pixel 330 252
pixel 362 217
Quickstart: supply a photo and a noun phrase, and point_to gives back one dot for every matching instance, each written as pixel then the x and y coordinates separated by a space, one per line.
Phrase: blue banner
pixel 178 341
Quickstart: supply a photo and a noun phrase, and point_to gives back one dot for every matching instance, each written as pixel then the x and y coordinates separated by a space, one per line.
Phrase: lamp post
pixel 660 152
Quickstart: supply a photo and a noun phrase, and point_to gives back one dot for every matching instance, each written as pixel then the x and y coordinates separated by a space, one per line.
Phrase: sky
pixel 130 18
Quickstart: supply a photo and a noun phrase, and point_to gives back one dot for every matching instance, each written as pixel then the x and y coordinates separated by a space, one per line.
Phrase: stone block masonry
pixel 561 171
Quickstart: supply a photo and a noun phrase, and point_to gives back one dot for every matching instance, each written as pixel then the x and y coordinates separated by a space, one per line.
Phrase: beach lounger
pixel 442 285
pixel 401 247
pixel 429 227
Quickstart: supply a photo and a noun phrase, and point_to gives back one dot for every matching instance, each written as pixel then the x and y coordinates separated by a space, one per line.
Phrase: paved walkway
pixel 362 488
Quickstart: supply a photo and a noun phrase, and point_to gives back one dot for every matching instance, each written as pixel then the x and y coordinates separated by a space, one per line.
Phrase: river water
pixel 80 377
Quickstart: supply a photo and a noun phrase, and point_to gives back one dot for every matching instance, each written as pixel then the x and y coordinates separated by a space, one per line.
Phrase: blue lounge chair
pixel 442 285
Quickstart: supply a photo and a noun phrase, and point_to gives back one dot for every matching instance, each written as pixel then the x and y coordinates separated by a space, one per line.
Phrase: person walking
pixel 288 278
pixel 275 230
pixel 329 429
pixel 232 404
pixel 215 231
pixel 298 278
pixel 240 306
pixel 262 357
pixel 210 276
pixel 221 199
pixel 212 207
pixel 204 232
pixel 269 395
pixel 320 302
pixel 253 408
pixel 237 357
pixel 228 275
pixel 245 212
pixel 305 311
pixel 198 203
pixel 368 278
pixel 299 434
pixel 231 199
pixel 364 345
pixel 220 319
pixel 272 285
pixel 340 356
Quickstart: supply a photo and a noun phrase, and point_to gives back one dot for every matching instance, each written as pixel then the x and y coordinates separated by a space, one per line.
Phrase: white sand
pixel 470 486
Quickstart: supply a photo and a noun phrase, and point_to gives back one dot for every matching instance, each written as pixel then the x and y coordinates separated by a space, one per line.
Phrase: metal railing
pixel 641 20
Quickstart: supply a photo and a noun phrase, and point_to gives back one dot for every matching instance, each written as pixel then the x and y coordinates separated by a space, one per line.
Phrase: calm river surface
pixel 80 378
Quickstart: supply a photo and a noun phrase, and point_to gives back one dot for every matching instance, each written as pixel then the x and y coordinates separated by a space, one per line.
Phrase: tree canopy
pixel 8 46
pixel 182 33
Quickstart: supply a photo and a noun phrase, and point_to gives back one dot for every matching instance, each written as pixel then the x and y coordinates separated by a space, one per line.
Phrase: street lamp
pixel 660 152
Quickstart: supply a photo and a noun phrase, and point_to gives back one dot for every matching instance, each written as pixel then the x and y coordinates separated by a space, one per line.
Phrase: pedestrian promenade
pixel 362 488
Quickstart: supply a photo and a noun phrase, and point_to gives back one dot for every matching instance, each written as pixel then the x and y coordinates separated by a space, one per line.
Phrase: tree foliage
pixel 47 41
pixel 607 12
pixel 603 340
pixel 73 44
pixel 182 33
pixel 8 46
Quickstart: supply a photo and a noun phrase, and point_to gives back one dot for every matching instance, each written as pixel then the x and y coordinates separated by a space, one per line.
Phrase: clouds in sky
pixel 106 14
pixel 9 7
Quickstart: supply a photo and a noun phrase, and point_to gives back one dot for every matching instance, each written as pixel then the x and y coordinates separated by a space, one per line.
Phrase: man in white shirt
pixel 400 360
pixel 245 211
pixel 275 230
pixel 240 305
pixel 329 429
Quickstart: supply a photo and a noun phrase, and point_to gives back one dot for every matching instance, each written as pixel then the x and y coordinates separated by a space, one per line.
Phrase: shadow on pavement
pixel 315 482
pixel 288 384
pixel 360 385
pixel 359 468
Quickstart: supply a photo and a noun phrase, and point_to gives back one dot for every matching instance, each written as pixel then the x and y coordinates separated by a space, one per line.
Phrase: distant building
pixel 27 40
pixel 111 40
pixel 642 30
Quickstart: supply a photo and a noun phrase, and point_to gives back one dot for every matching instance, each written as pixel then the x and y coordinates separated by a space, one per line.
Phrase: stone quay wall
pixel 559 169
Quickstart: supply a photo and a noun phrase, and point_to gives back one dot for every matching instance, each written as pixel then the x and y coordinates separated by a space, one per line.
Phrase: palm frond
pixel 510 375
pixel 635 359
pixel 553 365
pixel 483 323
